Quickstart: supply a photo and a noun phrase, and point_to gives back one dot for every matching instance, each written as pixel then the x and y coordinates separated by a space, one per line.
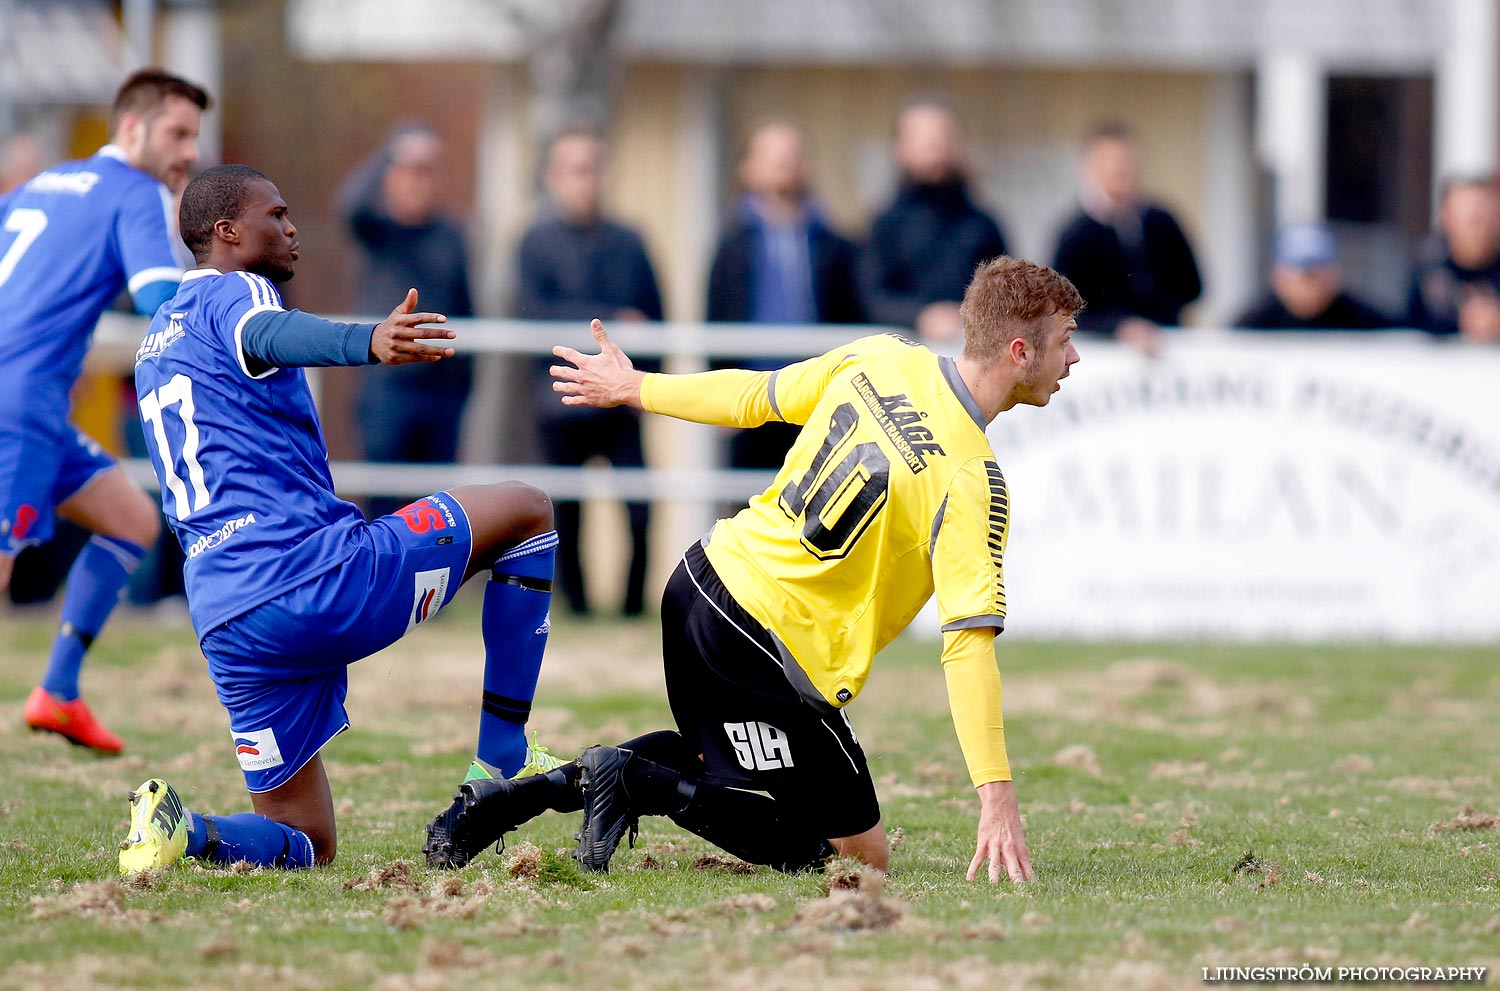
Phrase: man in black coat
pixel 924 248
pixel 1455 289
pixel 1307 290
pixel 392 206
pixel 1128 257
pixel 778 262
pixel 574 264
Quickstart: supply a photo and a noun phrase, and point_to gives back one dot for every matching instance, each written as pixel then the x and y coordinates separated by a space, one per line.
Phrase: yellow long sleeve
pixel 734 397
pixel 730 397
pixel 974 699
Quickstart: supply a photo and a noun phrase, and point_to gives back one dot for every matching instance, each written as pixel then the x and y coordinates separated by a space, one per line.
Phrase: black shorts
pixel 731 699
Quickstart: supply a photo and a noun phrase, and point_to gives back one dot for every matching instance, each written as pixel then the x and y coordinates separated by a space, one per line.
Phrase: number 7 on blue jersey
pixel 177 391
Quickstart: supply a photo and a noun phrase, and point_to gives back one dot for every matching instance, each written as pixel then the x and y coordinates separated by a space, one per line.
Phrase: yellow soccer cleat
pixel 539 760
pixel 158 829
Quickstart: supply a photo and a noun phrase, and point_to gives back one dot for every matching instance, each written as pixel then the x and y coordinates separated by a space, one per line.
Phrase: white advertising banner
pixel 1260 486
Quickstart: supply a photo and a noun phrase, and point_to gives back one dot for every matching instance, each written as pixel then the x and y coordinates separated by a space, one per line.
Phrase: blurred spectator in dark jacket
pixel 778 262
pixel 574 264
pixel 1127 256
pixel 924 248
pixel 21 157
pixel 1456 286
pixel 393 206
pixel 1307 288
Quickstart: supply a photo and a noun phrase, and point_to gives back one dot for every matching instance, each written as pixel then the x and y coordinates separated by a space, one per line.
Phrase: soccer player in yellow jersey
pixel 770 624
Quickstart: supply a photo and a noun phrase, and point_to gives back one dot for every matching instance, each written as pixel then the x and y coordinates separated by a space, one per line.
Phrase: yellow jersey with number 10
pixel 891 492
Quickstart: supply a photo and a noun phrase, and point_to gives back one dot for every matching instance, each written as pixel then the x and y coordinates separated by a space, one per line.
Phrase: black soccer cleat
pixel 607 811
pixel 478 818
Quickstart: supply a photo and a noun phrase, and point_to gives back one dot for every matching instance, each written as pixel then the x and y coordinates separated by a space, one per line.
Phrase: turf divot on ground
pixel 1364 779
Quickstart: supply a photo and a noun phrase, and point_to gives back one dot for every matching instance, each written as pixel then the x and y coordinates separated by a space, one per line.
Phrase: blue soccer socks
pixel 249 837
pixel 162 831
pixel 515 624
pixel 94 585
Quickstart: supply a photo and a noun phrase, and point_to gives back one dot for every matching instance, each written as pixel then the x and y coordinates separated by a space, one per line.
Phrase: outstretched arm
pixel 601 380
pixel 731 397
pixel 395 339
pixel 292 339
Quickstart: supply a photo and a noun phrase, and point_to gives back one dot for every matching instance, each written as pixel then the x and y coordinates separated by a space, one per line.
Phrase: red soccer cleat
pixel 72 720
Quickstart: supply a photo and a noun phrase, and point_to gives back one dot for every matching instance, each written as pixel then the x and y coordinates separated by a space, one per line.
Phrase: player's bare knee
pixel 324 838
pixel 145 524
pixel 877 856
pixel 870 847
pixel 509 512
pixel 532 507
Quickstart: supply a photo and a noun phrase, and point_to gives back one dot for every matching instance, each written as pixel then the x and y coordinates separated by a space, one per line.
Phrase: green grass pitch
pixel 1362 778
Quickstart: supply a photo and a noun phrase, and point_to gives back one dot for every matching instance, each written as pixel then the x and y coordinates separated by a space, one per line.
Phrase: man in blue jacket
pixel 779 262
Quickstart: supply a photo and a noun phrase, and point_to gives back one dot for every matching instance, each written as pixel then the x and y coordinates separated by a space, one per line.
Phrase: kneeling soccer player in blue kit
pixel 287 584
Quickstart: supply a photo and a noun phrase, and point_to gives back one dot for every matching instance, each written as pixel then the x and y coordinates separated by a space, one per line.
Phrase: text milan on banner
pixel 1260 486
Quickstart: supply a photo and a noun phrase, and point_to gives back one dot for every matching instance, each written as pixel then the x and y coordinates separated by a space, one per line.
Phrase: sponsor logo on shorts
pixel 209 541
pixel 759 746
pixel 426 515
pixel 427 598
pixel 258 750
pixel 442 504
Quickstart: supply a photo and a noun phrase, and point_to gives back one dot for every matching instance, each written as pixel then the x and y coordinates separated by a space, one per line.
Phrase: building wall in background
pixel 1025 127
pixel 306 125
pixel 675 132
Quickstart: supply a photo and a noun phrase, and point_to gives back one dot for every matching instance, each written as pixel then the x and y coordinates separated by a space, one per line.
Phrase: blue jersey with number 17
pixel 71 239
pixel 238 450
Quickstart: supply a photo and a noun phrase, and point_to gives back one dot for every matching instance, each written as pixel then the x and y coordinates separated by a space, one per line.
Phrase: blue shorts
pixel 281 669
pixel 38 470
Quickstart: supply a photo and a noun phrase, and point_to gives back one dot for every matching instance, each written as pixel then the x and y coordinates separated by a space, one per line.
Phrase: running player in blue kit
pixel 71 240
pixel 287 584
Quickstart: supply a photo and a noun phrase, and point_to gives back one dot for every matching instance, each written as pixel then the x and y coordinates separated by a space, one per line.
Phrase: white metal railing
pixel 685 346
pixel 121 335
pixel 364 478
pixel 1305 462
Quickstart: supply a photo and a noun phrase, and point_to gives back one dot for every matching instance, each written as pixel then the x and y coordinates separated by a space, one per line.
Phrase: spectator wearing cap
pixel 1456 286
pixel 1306 291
